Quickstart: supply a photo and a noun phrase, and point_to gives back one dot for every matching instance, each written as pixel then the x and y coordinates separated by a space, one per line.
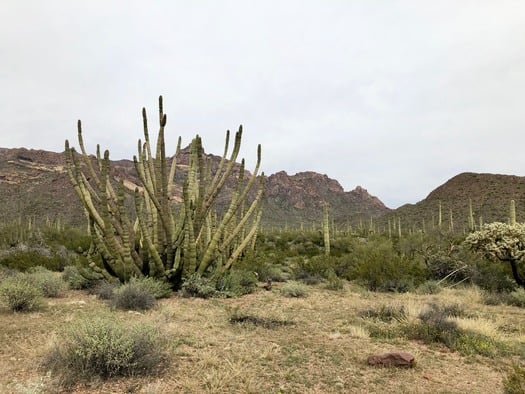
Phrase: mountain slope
pixel 490 195
pixel 34 183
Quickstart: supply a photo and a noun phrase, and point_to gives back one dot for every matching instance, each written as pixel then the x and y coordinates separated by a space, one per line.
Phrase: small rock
pixel 392 359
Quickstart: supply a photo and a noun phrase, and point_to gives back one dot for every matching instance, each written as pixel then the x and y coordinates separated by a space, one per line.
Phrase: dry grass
pixel 324 350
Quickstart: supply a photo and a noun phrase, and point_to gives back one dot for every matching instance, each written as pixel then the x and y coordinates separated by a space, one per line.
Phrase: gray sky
pixel 395 96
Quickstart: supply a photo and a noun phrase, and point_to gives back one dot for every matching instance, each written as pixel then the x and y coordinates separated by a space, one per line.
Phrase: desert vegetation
pixel 162 296
pixel 458 312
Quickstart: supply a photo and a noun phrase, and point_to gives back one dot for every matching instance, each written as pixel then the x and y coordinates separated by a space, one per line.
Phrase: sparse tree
pixel 502 242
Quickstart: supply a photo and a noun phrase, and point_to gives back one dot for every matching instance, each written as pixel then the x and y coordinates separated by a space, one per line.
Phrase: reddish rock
pixel 392 359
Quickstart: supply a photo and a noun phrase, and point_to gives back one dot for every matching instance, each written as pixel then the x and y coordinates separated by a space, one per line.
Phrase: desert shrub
pixel 435 327
pixel 22 260
pixel 429 287
pixel 103 347
pixel 274 272
pixel 158 288
pixel 71 275
pixel 493 277
pixel 6 272
pixel 313 270
pixel 49 283
pixel 517 297
pixel 237 283
pixel 514 383
pixel 333 282
pixel 388 272
pixel 103 289
pixel 375 264
pixel 294 289
pixel 385 313
pixel 448 264
pixel 133 297
pixel 71 238
pixel 19 294
pixel 494 298
pixel 470 343
pixel 196 285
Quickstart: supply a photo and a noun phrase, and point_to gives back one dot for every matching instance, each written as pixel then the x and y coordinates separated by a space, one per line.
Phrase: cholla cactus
pixel 502 242
pixel 163 239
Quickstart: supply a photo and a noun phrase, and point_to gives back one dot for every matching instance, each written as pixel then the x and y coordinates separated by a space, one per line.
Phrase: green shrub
pixel 237 283
pixel 435 327
pixel 104 347
pixel 385 313
pixel 378 267
pixel 198 286
pixel 19 294
pixel 493 277
pixel 294 289
pixel 429 287
pixel 49 283
pixel 74 239
pixel 23 260
pixel 517 297
pixel 156 287
pixel 312 270
pixel 74 279
pixel 494 298
pixel 333 282
pixel 133 297
pixel 514 383
pixel 469 343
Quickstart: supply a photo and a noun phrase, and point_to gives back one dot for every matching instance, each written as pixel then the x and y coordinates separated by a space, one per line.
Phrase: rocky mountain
pixel 34 183
pixel 300 198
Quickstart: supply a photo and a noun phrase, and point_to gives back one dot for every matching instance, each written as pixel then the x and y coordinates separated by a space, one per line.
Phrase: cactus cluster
pixel 159 237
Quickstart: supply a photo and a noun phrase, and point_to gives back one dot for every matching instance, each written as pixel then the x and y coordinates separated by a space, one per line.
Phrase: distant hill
pixel 34 183
pixel 490 195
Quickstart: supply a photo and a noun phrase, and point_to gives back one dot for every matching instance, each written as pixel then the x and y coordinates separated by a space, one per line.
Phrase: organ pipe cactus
pixel 159 237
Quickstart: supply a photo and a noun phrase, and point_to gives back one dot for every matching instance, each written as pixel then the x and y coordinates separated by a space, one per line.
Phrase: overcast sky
pixel 395 96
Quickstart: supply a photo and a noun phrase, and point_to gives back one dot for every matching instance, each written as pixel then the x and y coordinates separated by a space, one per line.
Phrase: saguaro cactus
pixel 161 238
pixel 326 230
pixel 512 213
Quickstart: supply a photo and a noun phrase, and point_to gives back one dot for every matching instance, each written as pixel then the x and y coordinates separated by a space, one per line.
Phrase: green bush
pixel 49 283
pixel 74 239
pixel 237 283
pixel 493 277
pixel 19 294
pixel 294 289
pixel 514 383
pixel 517 297
pixel 198 286
pixel 333 282
pixel 156 287
pixel 104 347
pixel 385 313
pixel 435 327
pixel 131 296
pixel 429 287
pixel 313 269
pixel 23 260
pixel 376 265
pixel 71 275
pixel 470 343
